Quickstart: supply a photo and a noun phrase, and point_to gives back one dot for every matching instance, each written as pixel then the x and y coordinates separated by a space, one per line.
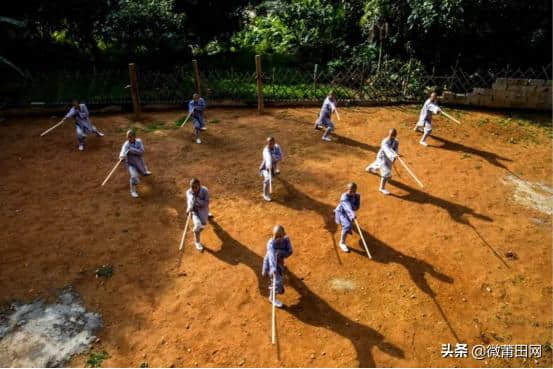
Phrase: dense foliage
pixel 475 34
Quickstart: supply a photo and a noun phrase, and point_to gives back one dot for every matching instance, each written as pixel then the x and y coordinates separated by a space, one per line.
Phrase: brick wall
pixel 517 93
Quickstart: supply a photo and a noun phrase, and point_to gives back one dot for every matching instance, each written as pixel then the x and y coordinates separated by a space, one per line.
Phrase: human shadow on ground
pixel 456 211
pixel 417 269
pixel 298 200
pixel 311 308
pixel 382 253
pixel 490 157
pixel 343 140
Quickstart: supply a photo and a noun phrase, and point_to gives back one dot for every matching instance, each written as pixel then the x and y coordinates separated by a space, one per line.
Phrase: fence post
pixel 197 76
pixel 260 103
pixel 134 90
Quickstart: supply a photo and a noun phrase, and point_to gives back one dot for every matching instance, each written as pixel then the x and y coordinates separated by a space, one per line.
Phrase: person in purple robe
pixel 133 154
pixel 344 213
pixel 83 124
pixel 279 248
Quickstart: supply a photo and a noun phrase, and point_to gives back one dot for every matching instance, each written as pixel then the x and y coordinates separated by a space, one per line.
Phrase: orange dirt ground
pixel 438 275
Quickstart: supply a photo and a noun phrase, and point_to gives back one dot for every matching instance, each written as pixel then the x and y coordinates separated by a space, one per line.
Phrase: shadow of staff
pixel 490 157
pixel 311 309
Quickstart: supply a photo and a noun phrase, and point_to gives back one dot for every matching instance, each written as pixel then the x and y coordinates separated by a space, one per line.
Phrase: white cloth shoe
pixel 81 147
pixel 278 303
pixel 148 173
pixel 204 128
pixel 384 191
pixel 344 247
pixel 328 139
pixel 423 143
pixel 266 198
pixel 99 134
pixel 198 141
pixel 134 194
pixel 199 246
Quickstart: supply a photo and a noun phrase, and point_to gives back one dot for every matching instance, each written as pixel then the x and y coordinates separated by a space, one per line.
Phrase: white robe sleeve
pixel 124 150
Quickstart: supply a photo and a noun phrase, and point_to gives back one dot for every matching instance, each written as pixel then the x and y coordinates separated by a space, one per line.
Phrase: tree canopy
pixel 439 33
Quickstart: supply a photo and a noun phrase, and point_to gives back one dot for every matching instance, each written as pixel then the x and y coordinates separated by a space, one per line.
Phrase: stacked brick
pixel 535 94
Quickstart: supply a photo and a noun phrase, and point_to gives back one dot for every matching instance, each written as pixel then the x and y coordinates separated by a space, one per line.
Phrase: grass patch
pixel 156 126
pixel 214 121
pixel 144 365
pixel 465 156
pixel 105 271
pixel 95 359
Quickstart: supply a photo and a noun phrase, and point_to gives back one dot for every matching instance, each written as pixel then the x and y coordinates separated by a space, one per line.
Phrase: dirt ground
pixel 439 272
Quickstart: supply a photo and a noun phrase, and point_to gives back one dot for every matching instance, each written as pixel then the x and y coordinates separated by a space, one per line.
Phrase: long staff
pixel 410 172
pixel 184 232
pixel 449 116
pixel 363 239
pixel 53 127
pixel 273 317
pixel 112 171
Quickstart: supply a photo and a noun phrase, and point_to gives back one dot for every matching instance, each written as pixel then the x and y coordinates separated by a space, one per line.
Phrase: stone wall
pixel 535 94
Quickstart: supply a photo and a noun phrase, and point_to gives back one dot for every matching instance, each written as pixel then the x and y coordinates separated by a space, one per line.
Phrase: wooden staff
pixel 184 232
pixel 363 239
pixel 273 318
pixel 53 127
pixel 271 179
pixel 410 172
pixel 337 115
pixel 449 116
pixel 113 170
pixel 186 120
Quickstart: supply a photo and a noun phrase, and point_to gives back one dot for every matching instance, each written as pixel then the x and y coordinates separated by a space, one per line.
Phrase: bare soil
pixel 439 272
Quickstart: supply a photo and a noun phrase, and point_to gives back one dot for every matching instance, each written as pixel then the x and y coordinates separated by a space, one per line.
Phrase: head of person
pixel 195 185
pixel 278 232
pixel 196 97
pixel 332 95
pixel 433 97
pixel 131 135
pixel 352 188
pixel 392 133
pixel 75 103
pixel 271 142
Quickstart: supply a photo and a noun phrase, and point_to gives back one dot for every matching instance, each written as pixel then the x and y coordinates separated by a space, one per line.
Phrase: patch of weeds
pixel 465 156
pixel 95 359
pixel 214 121
pixel 144 365
pixel 512 140
pixel 180 121
pixel 504 122
pixel 155 126
pixel 547 347
pixel 105 271
pixel 482 122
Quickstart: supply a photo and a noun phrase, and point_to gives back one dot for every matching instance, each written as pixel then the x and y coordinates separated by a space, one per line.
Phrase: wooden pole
pixel 53 127
pixel 197 76
pixel 184 232
pixel 410 172
pixel 363 239
pixel 134 90
pixel 450 117
pixel 258 74
pixel 273 317
pixel 112 171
